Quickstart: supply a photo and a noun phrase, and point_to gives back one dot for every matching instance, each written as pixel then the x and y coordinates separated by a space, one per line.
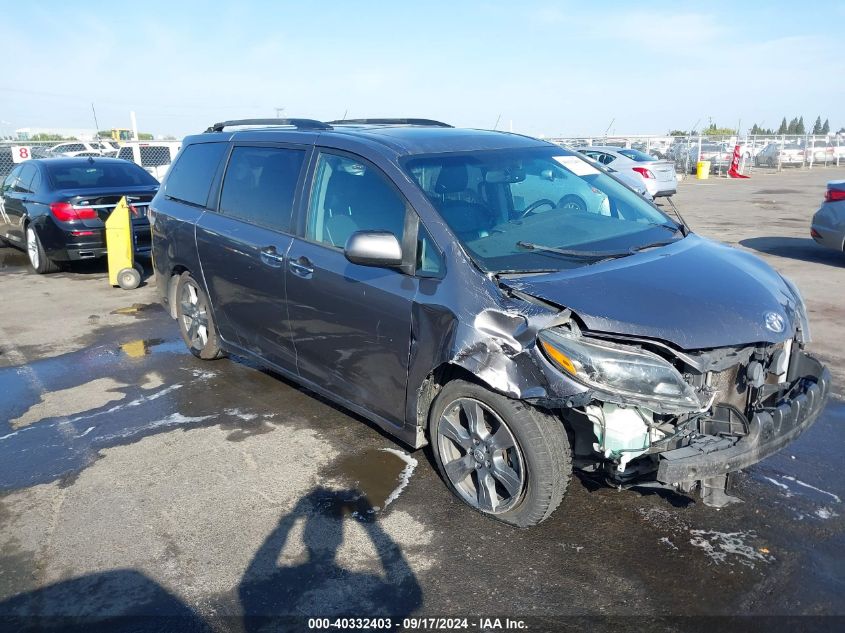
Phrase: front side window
pixel 189 179
pixel 349 196
pixel 527 210
pixel 260 184
pixel 429 260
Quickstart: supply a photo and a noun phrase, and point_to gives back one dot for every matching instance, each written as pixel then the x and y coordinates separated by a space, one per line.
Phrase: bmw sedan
pixel 56 208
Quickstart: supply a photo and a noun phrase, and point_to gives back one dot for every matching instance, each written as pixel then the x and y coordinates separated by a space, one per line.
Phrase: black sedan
pixel 56 208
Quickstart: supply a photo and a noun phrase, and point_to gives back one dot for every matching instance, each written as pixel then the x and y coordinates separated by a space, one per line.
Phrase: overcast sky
pixel 552 68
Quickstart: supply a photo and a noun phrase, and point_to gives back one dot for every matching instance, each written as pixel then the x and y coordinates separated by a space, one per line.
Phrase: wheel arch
pixel 172 283
pixel 434 382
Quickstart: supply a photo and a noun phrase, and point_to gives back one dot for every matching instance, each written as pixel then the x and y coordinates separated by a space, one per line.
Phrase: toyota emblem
pixel 774 322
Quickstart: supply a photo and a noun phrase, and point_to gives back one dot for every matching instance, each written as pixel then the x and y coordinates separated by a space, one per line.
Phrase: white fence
pixel 756 152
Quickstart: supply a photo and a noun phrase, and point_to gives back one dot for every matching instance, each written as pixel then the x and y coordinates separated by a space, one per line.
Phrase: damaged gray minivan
pixel 492 295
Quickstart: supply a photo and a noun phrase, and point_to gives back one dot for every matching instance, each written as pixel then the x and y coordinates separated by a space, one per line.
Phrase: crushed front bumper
pixel 770 429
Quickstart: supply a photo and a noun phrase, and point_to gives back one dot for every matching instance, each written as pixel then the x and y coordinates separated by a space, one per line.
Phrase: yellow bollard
pixel 120 245
pixel 702 170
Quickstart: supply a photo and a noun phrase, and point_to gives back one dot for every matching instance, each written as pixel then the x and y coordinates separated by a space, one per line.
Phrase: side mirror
pixel 374 248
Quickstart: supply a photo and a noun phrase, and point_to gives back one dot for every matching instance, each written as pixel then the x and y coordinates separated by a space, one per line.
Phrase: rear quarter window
pixel 189 179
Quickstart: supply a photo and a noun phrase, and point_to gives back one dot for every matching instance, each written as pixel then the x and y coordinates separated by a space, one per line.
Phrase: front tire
pixel 196 323
pixel 502 457
pixel 38 258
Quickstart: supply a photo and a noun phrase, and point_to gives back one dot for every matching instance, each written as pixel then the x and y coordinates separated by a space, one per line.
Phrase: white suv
pixel 80 148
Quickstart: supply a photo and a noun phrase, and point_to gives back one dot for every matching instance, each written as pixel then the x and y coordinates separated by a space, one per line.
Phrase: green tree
pixel 677 133
pixel 714 130
pixel 783 127
pixel 41 136
pixel 817 126
pixel 826 127
pixel 799 127
pixel 145 136
pixel 793 124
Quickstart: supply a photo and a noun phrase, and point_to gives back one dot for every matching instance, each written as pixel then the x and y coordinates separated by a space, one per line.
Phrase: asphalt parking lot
pixel 136 479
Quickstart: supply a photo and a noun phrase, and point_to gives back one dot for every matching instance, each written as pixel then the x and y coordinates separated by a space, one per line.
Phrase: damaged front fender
pixel 496 345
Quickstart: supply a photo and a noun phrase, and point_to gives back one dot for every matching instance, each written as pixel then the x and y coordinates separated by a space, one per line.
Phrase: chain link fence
pixel 154 156
pixel 769 152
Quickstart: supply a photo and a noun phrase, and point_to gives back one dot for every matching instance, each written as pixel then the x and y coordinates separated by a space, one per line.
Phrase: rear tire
pixel 196 323
pixel 504 458
pixel 38 258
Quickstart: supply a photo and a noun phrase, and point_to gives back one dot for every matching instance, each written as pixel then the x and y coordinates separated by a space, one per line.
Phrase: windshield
pixel 538 209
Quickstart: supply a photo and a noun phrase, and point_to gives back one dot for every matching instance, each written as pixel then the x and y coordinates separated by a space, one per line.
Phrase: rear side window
pixel 189 180
pixel 638 156
pixel 24 178
pixel 11 179
pixel 260 184
pixel 85 174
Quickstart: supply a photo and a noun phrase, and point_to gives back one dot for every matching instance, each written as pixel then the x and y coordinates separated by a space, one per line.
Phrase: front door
pixel 242 248
pixel 351 324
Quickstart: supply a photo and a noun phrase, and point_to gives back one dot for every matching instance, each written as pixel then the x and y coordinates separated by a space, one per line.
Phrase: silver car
pixel 828 227
pixel 657 176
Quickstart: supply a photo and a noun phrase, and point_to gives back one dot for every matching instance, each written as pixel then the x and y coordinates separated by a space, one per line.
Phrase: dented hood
pixel 694 293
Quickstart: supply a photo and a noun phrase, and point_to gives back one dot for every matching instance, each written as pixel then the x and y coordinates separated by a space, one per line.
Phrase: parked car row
pixel 656 176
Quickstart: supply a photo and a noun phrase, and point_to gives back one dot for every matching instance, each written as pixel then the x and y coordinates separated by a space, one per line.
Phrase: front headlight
pixel 800 311
pixel 631 374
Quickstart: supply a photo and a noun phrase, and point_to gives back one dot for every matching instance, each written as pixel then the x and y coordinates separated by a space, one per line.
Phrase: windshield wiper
pixel 599 256
pixel 568 252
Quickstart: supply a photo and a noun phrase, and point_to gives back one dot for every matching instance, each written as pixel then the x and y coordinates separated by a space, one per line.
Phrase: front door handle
pixel 301 267
pixel 272 257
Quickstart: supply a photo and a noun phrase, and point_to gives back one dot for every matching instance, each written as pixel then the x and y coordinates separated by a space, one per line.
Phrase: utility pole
pixel 279 112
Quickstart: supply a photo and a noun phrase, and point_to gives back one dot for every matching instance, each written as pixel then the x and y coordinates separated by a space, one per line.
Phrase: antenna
pixel 612 121
pixel 96 128
pixel 497 121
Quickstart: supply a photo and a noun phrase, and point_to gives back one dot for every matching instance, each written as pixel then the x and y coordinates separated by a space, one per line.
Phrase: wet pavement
pixel 137 479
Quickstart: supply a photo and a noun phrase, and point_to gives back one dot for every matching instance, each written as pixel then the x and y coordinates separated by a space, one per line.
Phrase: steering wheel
pixel 531 208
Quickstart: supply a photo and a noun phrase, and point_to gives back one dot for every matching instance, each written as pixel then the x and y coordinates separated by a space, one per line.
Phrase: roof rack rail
pixel 299 124
pixel 425 122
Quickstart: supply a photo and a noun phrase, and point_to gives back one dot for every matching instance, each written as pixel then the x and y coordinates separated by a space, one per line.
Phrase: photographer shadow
pixel 316 585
